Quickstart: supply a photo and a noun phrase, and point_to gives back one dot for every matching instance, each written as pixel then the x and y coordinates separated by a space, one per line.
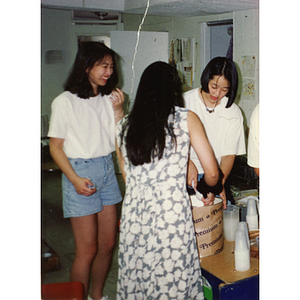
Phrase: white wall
pixel 246 44
pixel 55 36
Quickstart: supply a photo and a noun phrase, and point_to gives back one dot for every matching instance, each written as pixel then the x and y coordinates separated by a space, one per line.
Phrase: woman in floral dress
pixel 158 257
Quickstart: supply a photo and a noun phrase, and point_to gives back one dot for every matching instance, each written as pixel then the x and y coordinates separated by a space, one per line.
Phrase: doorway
pixel 216 40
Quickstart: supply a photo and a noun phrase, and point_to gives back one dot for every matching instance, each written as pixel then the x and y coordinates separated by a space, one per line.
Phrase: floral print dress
pixel 158 256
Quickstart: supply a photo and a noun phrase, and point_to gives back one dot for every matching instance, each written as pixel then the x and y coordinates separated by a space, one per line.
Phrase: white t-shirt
pixel 86 125
pixel 224 127
pixel 253 140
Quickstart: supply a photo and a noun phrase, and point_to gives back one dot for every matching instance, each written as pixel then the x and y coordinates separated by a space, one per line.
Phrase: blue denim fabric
pixel 101 172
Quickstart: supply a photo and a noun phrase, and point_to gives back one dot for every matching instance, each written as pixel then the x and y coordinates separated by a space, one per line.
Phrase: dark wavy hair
pixel 89 53
pixel 221 66
pixel 159 91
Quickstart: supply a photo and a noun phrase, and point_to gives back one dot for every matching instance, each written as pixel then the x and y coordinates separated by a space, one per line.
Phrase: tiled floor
pixel 57 233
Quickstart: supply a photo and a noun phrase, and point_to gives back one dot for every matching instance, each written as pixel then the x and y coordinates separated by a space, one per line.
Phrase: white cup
pixel 252 217
pixel 241 252
pixel 244 226
pixel 230 222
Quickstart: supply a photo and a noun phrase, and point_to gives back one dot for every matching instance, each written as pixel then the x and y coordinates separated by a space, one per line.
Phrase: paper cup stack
pixel 242 248
pixel 242 242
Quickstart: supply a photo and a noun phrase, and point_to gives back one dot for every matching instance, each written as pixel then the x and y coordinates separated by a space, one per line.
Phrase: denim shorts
pixel 101 172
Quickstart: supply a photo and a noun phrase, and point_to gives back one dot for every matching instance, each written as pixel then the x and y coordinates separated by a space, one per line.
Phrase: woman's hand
pixel 81 186
pixel 59 156
pixel 209 200
pixel 117 100
pixel 192 174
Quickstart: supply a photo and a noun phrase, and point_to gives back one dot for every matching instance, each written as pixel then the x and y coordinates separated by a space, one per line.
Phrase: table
pixel 227 283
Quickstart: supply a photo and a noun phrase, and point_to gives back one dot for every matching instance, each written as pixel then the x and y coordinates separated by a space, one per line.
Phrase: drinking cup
pixel 244 226
pixel 252 217
pixel 241 252
pixel 230 222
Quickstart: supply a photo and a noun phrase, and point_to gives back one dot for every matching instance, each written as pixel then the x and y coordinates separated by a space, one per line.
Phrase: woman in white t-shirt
pixel 222 119
pixel 253 141
pixel 82 139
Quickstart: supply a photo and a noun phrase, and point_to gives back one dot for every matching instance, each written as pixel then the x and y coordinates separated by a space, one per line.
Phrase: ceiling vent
pixel 85 17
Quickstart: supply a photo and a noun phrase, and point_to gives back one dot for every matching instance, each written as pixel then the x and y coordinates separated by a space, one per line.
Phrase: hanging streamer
pixel 136 46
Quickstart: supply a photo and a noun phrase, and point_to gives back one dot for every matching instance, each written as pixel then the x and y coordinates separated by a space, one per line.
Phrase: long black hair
pixel 90 53
pixel 159 91
pixel 221 66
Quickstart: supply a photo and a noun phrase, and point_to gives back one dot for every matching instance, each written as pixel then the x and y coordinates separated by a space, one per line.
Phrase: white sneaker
pixel 103 298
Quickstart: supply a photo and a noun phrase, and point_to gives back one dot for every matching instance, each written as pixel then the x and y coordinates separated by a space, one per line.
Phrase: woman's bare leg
pixel 107 230
pixel 85 234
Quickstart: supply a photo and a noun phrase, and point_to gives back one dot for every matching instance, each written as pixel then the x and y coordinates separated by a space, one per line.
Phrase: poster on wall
pixel 248 92
pixel 182 57
pixel 248 66
pixel 248 73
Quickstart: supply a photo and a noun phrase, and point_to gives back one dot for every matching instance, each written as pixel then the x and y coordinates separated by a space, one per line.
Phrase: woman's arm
pixel 59 156
pixel 192 174
pixel 203 149
pixel 205 154
pixel 121 161
pixel 226 165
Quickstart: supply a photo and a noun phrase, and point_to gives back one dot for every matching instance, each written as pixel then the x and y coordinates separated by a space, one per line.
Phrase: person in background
pixel 82 139
pixel 158 256
pixel 221 118
pixel 253 141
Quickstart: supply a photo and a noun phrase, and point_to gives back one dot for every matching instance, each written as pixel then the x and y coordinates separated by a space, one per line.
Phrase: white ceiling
pixel 176 8
pixel 186 8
